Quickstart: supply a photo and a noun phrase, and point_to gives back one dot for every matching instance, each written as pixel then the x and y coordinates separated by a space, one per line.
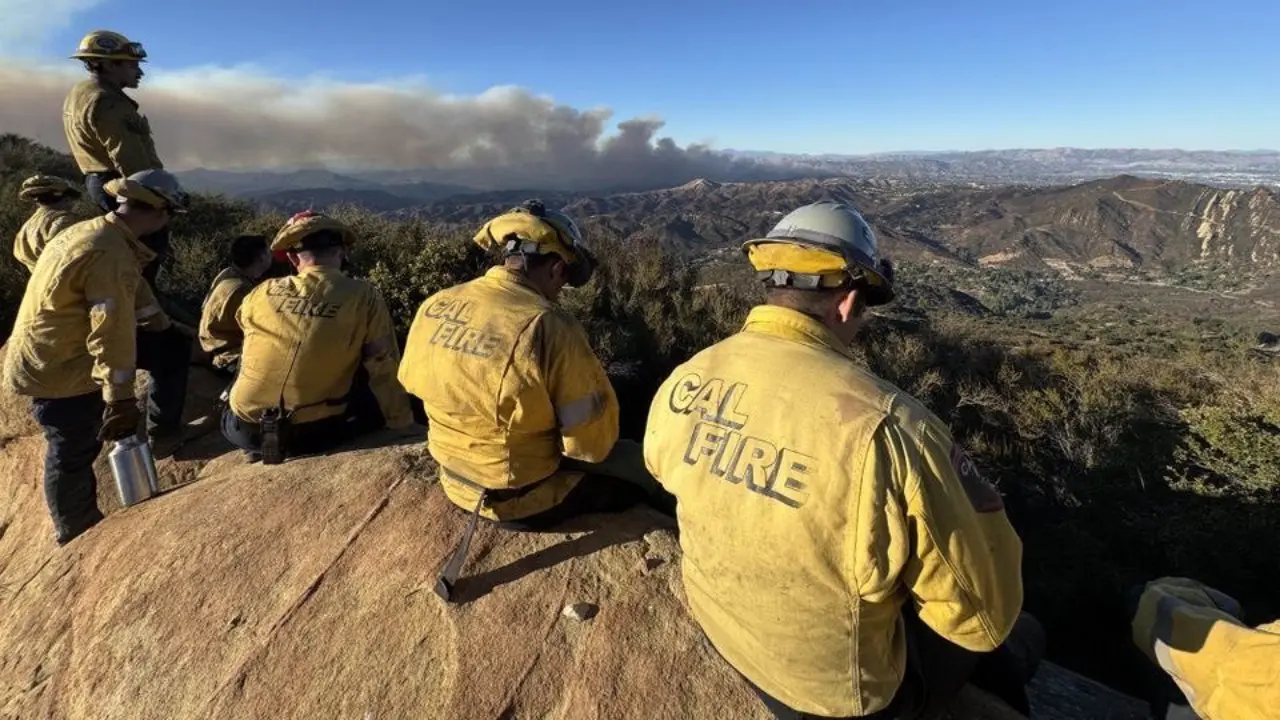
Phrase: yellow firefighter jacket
pixel 1227 670
pixel 814 500
pixel 220 333
pixel 304 337
pixel 37 231
pixel 105 131
pixel 42 226
pixel 76 327
pixel 511 386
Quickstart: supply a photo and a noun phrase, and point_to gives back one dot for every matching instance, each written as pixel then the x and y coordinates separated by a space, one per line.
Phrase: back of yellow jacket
pixel 76 328
pixel 1227 670
pixel 304 338
pixel 37 231
pixel 511 386
pixel 814 500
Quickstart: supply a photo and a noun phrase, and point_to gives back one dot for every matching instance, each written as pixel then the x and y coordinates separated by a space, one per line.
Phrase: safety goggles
pixel 110 46
pixel 136 50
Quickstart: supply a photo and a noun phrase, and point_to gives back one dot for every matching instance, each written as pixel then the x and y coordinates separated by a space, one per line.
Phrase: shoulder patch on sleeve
pixel 982 495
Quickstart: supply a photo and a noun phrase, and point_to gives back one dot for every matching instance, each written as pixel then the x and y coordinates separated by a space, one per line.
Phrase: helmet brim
pixel 96 56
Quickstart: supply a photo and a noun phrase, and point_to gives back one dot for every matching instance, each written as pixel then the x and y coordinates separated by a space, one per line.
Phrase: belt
pixel 497 495
pixel 448 576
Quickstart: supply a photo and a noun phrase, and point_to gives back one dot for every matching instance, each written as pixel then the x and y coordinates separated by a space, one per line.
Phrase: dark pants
pixel 615 484
pixel 71 428
pixel 363 415
pixel 937 670
pixel 594 494
pixel 166 356
pixel 158 241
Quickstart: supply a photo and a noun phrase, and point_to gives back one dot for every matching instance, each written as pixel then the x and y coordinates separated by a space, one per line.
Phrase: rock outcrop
pixel 305 590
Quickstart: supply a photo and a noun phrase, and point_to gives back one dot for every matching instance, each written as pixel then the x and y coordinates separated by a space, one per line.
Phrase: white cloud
pixel 25 24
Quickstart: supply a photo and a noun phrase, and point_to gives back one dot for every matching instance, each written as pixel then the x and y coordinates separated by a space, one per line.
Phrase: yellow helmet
pixel 293 236
pixel 108 45
pixel 41 184
pixel 532 228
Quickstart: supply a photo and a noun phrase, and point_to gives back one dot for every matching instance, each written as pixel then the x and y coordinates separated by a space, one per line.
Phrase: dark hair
pixel 247 248
pixel 813 302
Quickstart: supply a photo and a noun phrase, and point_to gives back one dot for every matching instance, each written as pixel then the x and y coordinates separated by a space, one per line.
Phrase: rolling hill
pixel 1122 224
pixel 1043 166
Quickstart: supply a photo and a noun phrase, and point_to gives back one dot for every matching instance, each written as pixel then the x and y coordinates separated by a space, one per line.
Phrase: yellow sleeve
pixel 125 136
pixel 35 234
pixel 413 372
pixel 1226 669
pixel 965 565
pixel 147 311
pixel 585 404
pixel 219 329
pixel 110 288
pixel 24 250
pixel 381 357
pixel 649 448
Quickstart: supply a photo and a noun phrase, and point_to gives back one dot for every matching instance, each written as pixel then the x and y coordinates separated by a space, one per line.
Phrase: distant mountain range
pixel 1046 166
pixel 1074 211
pixel 398 189
pixel 1118 225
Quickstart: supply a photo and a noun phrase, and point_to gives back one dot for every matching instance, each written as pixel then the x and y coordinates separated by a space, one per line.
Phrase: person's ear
pixel 560 271
pixel 850 306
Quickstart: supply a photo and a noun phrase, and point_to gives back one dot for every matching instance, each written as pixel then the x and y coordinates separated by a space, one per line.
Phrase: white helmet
pixel 836 228
pixel 155 187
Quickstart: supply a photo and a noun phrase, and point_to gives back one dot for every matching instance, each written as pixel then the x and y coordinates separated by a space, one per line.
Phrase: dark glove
pixel 120 420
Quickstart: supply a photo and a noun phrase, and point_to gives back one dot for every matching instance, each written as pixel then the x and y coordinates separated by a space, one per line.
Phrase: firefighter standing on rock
pixel 108 137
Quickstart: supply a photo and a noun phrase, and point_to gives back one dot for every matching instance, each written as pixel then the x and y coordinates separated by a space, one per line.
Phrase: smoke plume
pixel 236 119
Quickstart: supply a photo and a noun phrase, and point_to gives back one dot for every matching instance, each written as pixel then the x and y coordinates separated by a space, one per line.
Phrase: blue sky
pixel 794 76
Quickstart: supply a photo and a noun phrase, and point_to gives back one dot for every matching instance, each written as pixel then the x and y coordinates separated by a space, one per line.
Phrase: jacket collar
pixel 506 276
pixel 143 253
pixel 795 326
pixel 320 270
pixel 113 89
pixel 231 271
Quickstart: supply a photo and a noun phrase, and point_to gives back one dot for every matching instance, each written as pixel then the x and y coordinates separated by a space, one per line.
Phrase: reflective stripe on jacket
pixel 511 387
pixel 814 499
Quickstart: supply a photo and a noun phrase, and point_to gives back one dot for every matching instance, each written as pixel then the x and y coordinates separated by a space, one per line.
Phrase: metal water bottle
pixel 134 469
